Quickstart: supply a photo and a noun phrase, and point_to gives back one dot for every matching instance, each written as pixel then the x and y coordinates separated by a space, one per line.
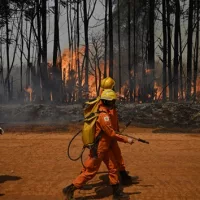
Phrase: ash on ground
pixel 168 115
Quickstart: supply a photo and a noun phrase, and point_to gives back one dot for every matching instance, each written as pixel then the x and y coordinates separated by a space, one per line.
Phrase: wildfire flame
pixel 29 90
pixel 70 79
pixel 69 65
pixel 148 71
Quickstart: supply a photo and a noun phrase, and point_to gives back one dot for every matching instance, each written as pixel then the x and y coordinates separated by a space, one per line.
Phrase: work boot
pixel 69 192
pixel 118 193
pixel 125 178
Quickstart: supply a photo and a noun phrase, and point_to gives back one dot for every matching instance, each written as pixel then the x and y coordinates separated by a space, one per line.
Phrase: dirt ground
pixel 35 166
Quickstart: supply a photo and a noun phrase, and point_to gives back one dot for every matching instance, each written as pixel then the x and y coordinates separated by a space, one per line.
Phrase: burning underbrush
pixel 51 118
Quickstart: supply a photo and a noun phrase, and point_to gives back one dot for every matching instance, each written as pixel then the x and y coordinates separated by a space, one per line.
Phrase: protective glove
pixel 130 140
pixel 1 131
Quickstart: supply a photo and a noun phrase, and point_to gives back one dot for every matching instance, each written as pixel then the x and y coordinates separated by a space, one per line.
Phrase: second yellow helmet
pixel 107 83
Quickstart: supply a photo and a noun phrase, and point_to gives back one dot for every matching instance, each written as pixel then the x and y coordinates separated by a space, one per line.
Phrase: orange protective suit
pixel 114 144
pixel 116 151
pixel 108 136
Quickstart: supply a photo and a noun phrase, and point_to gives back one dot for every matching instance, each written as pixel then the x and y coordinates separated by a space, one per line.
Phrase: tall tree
pixel 110 39
pixel 44 50
pixel 196 59
pixel 180 63
pixel 77 55
pixel 56 71
pixel 189 50
pixel 22 50
pixel 105 38
pixel 176 49
pixel 169 49
pixel 135 70
pixel 7 49
pixel 30 15
pixel 151 45
pixel 119 46
pixel 86 44
pixel 56 35
pixel 86 17
pixel 38 36
pixel 129 51
pixel 164 48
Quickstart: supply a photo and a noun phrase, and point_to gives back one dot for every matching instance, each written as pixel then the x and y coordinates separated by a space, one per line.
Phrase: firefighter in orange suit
pixel 104 136
pixel 109 83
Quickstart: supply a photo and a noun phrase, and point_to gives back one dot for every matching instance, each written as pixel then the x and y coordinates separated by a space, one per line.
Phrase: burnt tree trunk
pixel 129 52
pixel 21 53
pixel 105 38
pixel 176 50
pixel 86 45
pixel 7 51
pixel 181 63
pixel 39 54
pixel 77 57
pixel 119 46
pixel 169 52
pixel 44 51
pixel 151 47
pixel 189 50
pixel 134 79
pixel 196 49
pixel 55 78
pixel 110 40
pixel 164 49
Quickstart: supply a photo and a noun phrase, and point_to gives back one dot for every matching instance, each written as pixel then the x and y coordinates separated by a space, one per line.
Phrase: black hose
pixel 68 154
pixel 82 159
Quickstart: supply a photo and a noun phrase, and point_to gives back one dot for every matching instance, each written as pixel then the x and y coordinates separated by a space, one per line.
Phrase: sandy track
pixel 35 167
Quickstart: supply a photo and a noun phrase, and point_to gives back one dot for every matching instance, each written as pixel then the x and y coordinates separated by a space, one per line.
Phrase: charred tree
pixel 110 39
pixel 86 17
pixel 30 17
pixel 69 32
pixel 77 55
pixel 169 50
pixel 37 32
pixel 56 36
pixel 129 52
pixel 135 70
pixel 21 54
pixel 196 49
pixel 7 50
pixel 176 49
pixel 151 47
pixel 164 26
pixel 44 74
pixel 105 38
pixel 56 77
pixel 86 22
pixel 119 46
pixel 180 63
pixel 37 35
pixel 189 50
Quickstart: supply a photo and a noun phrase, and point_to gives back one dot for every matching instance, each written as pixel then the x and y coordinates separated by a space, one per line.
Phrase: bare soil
pixel 35 166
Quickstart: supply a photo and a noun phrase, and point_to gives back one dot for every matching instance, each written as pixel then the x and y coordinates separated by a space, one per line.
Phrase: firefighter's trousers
pixel 92 165
pixel 116 151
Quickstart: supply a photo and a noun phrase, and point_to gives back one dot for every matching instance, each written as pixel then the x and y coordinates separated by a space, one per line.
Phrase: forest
pixel 149 47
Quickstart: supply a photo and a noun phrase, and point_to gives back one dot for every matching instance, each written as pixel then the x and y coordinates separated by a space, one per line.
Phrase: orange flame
pixel 30 91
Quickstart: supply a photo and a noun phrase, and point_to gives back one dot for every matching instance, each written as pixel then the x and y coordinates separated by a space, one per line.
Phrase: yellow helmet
pixel 107 83
pixel 108 95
